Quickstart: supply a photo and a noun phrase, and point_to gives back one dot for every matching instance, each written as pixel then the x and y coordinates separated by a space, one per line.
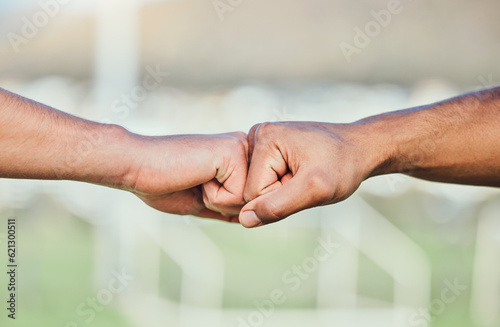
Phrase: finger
pixel 187 202
pixel 251 140
pixel 193 157
pixel 224 193
pixel 207 213
pixel 288 176
pixel 227 191
pixel 266 169
pixel 216 198
pixel 241 135
pixel 298 193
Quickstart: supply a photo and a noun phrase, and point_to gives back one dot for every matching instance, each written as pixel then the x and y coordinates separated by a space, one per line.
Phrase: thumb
pixel 302 191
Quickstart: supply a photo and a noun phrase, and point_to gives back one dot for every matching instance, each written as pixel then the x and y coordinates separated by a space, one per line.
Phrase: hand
pixel 299 165
pixel 202 175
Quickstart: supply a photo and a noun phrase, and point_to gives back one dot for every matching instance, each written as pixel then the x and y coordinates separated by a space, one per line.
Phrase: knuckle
pixel 249 195
pixel 239 144
pixel 208 205
pixel 240 135
pixel 252 130
pixel 236 200
pixel 242 146
pixel 214 206
pixel 228 201
pixel 208 201
pixel 266 129
pixel 266 135
pixel 210 198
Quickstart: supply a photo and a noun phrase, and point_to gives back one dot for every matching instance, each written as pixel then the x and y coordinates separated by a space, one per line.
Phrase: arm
pixel 298 165
pixel 176 174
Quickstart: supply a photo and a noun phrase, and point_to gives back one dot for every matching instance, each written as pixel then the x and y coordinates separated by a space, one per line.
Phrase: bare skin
pixel 299 165
pixel 292 166
pixel 202 175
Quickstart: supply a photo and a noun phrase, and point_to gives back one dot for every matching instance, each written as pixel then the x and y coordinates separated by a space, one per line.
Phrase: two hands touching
pixel 255 179
pixel 275 171
pixel 283 168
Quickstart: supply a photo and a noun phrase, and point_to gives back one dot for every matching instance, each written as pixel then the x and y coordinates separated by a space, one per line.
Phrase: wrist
pixel 165 164
pixel 369 142
pixel 403 141
pixel 103 156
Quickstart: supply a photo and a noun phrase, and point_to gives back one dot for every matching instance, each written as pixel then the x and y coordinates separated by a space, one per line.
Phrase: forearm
pixel 299 165
pixel 454 141
pixel 39 142
pixel 173 174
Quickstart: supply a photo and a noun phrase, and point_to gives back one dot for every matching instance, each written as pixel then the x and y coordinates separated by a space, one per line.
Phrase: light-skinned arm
pixel 200 175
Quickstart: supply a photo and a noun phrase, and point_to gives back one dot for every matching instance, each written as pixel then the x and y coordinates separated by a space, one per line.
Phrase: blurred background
pixel 400 252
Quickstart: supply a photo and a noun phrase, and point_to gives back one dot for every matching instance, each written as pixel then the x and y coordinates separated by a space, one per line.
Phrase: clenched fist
pixel 201 175
pixel 299 165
